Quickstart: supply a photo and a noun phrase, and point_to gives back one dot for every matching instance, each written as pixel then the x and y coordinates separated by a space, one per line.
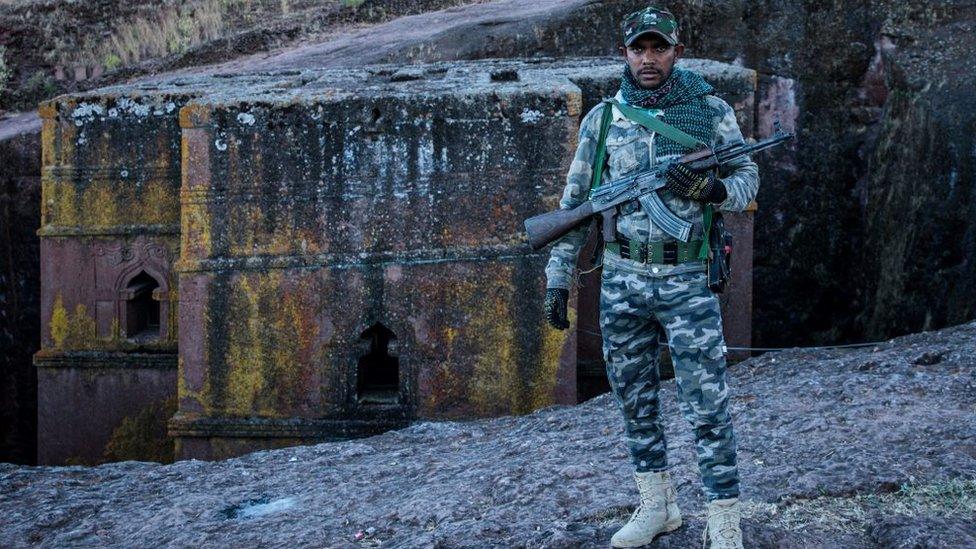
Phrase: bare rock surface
pixel 837 448
pixel 456 32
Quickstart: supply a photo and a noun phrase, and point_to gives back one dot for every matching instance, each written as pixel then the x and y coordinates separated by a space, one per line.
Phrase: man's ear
pixel 622 50
pixel 679 50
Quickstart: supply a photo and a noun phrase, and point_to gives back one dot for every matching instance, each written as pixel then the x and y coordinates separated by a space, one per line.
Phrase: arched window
pixel 378 373
pixel 141 308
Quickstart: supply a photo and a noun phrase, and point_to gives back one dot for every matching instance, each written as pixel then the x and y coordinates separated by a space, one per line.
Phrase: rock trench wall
pixel 19 294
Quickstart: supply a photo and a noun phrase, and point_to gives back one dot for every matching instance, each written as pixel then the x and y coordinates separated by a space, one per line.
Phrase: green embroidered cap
pixel 650 19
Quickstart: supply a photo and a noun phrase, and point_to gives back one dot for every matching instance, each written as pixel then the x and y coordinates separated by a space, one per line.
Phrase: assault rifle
pixel 643 186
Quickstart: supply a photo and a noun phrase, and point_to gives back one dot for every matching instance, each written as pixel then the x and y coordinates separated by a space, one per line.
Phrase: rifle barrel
pixel 726 155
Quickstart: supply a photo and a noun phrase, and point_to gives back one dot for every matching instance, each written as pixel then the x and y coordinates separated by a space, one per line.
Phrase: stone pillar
pixel 108 236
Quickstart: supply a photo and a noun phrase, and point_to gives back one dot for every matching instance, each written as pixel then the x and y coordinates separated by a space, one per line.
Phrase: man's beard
pixel 637 95
pixel 662 78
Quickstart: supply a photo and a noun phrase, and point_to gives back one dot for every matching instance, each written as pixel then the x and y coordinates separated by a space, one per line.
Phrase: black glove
pixel 687 183
pixel 555 307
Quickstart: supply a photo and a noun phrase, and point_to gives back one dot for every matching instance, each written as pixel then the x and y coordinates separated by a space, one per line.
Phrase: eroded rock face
pixel 860 448
pixel 873 224
pixel 873 221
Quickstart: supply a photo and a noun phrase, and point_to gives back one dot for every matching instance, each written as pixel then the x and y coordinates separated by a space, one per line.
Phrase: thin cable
pixel 842 346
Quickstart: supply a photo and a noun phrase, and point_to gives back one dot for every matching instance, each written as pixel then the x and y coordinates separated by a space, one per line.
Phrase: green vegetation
pixel 143 437
pixel 111 61
pixel 173 30
pixel 948 498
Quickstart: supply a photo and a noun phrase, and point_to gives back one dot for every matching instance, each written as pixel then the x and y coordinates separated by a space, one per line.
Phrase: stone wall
pixel 387 197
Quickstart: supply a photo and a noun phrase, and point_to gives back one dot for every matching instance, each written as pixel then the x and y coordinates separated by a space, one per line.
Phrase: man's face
pixel 651 59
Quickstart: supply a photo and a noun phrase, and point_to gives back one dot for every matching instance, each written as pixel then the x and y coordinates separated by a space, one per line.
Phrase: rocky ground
pixel 856 448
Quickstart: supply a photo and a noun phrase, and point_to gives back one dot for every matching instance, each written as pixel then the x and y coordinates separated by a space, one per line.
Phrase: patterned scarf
pixel 680 86
pixel 682 98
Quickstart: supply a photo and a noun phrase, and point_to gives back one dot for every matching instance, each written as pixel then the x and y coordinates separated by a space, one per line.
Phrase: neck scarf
pixel 681 86
pixel 682 99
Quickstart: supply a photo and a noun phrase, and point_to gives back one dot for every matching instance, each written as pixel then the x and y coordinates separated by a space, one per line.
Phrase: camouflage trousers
pixel 634 308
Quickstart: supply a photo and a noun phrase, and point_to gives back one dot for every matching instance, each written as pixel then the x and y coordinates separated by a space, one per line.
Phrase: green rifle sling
pixel 706 228
pixel 674 134
pixel 651 123
pixel 658 126
pixel 601 148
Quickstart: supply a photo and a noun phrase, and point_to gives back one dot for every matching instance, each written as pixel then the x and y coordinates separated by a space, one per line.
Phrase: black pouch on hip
pixel 719 254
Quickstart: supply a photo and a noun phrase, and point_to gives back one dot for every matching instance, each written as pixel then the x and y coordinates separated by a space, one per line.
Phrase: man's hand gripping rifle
pixel 548 227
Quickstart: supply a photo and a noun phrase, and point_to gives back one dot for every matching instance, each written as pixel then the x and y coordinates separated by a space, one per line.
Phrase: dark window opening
pixel 141 310
pixel 378 373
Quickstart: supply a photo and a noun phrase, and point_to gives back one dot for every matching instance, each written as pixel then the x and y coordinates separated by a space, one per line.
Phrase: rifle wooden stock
pixel 544 228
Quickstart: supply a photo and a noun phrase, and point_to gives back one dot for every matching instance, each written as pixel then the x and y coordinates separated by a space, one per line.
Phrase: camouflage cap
pixel 650 19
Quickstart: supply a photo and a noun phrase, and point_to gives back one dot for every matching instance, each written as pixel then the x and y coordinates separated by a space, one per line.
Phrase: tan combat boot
pixel 658 511
pixel 722 527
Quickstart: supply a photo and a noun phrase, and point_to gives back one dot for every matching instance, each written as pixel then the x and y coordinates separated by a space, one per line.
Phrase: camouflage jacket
pixel 630 148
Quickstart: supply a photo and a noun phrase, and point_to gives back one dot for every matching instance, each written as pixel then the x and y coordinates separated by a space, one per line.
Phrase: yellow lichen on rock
pixel 544 383
pixel 142 436
pixel 59 322
pixel 99 205
pixel 195 235
pixel 483 361
pixel 81 329
pixel 71 330
pixel 503 377
pixel 245 381
pixel 494 385
pixel 159 204
pixel 271 332
pixel 59 205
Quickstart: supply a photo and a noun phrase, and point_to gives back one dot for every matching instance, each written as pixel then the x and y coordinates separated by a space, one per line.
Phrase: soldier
pixel 654 283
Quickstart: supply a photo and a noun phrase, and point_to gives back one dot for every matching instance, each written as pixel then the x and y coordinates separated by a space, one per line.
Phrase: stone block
pixel 386 203
pixel 95 406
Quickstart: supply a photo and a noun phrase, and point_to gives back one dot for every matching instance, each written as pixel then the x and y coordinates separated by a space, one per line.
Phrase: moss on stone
pixel 547 369
pixel 495 385
pixel 271 331
pixel 59 322
pixel 142 437
pixel 71 330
